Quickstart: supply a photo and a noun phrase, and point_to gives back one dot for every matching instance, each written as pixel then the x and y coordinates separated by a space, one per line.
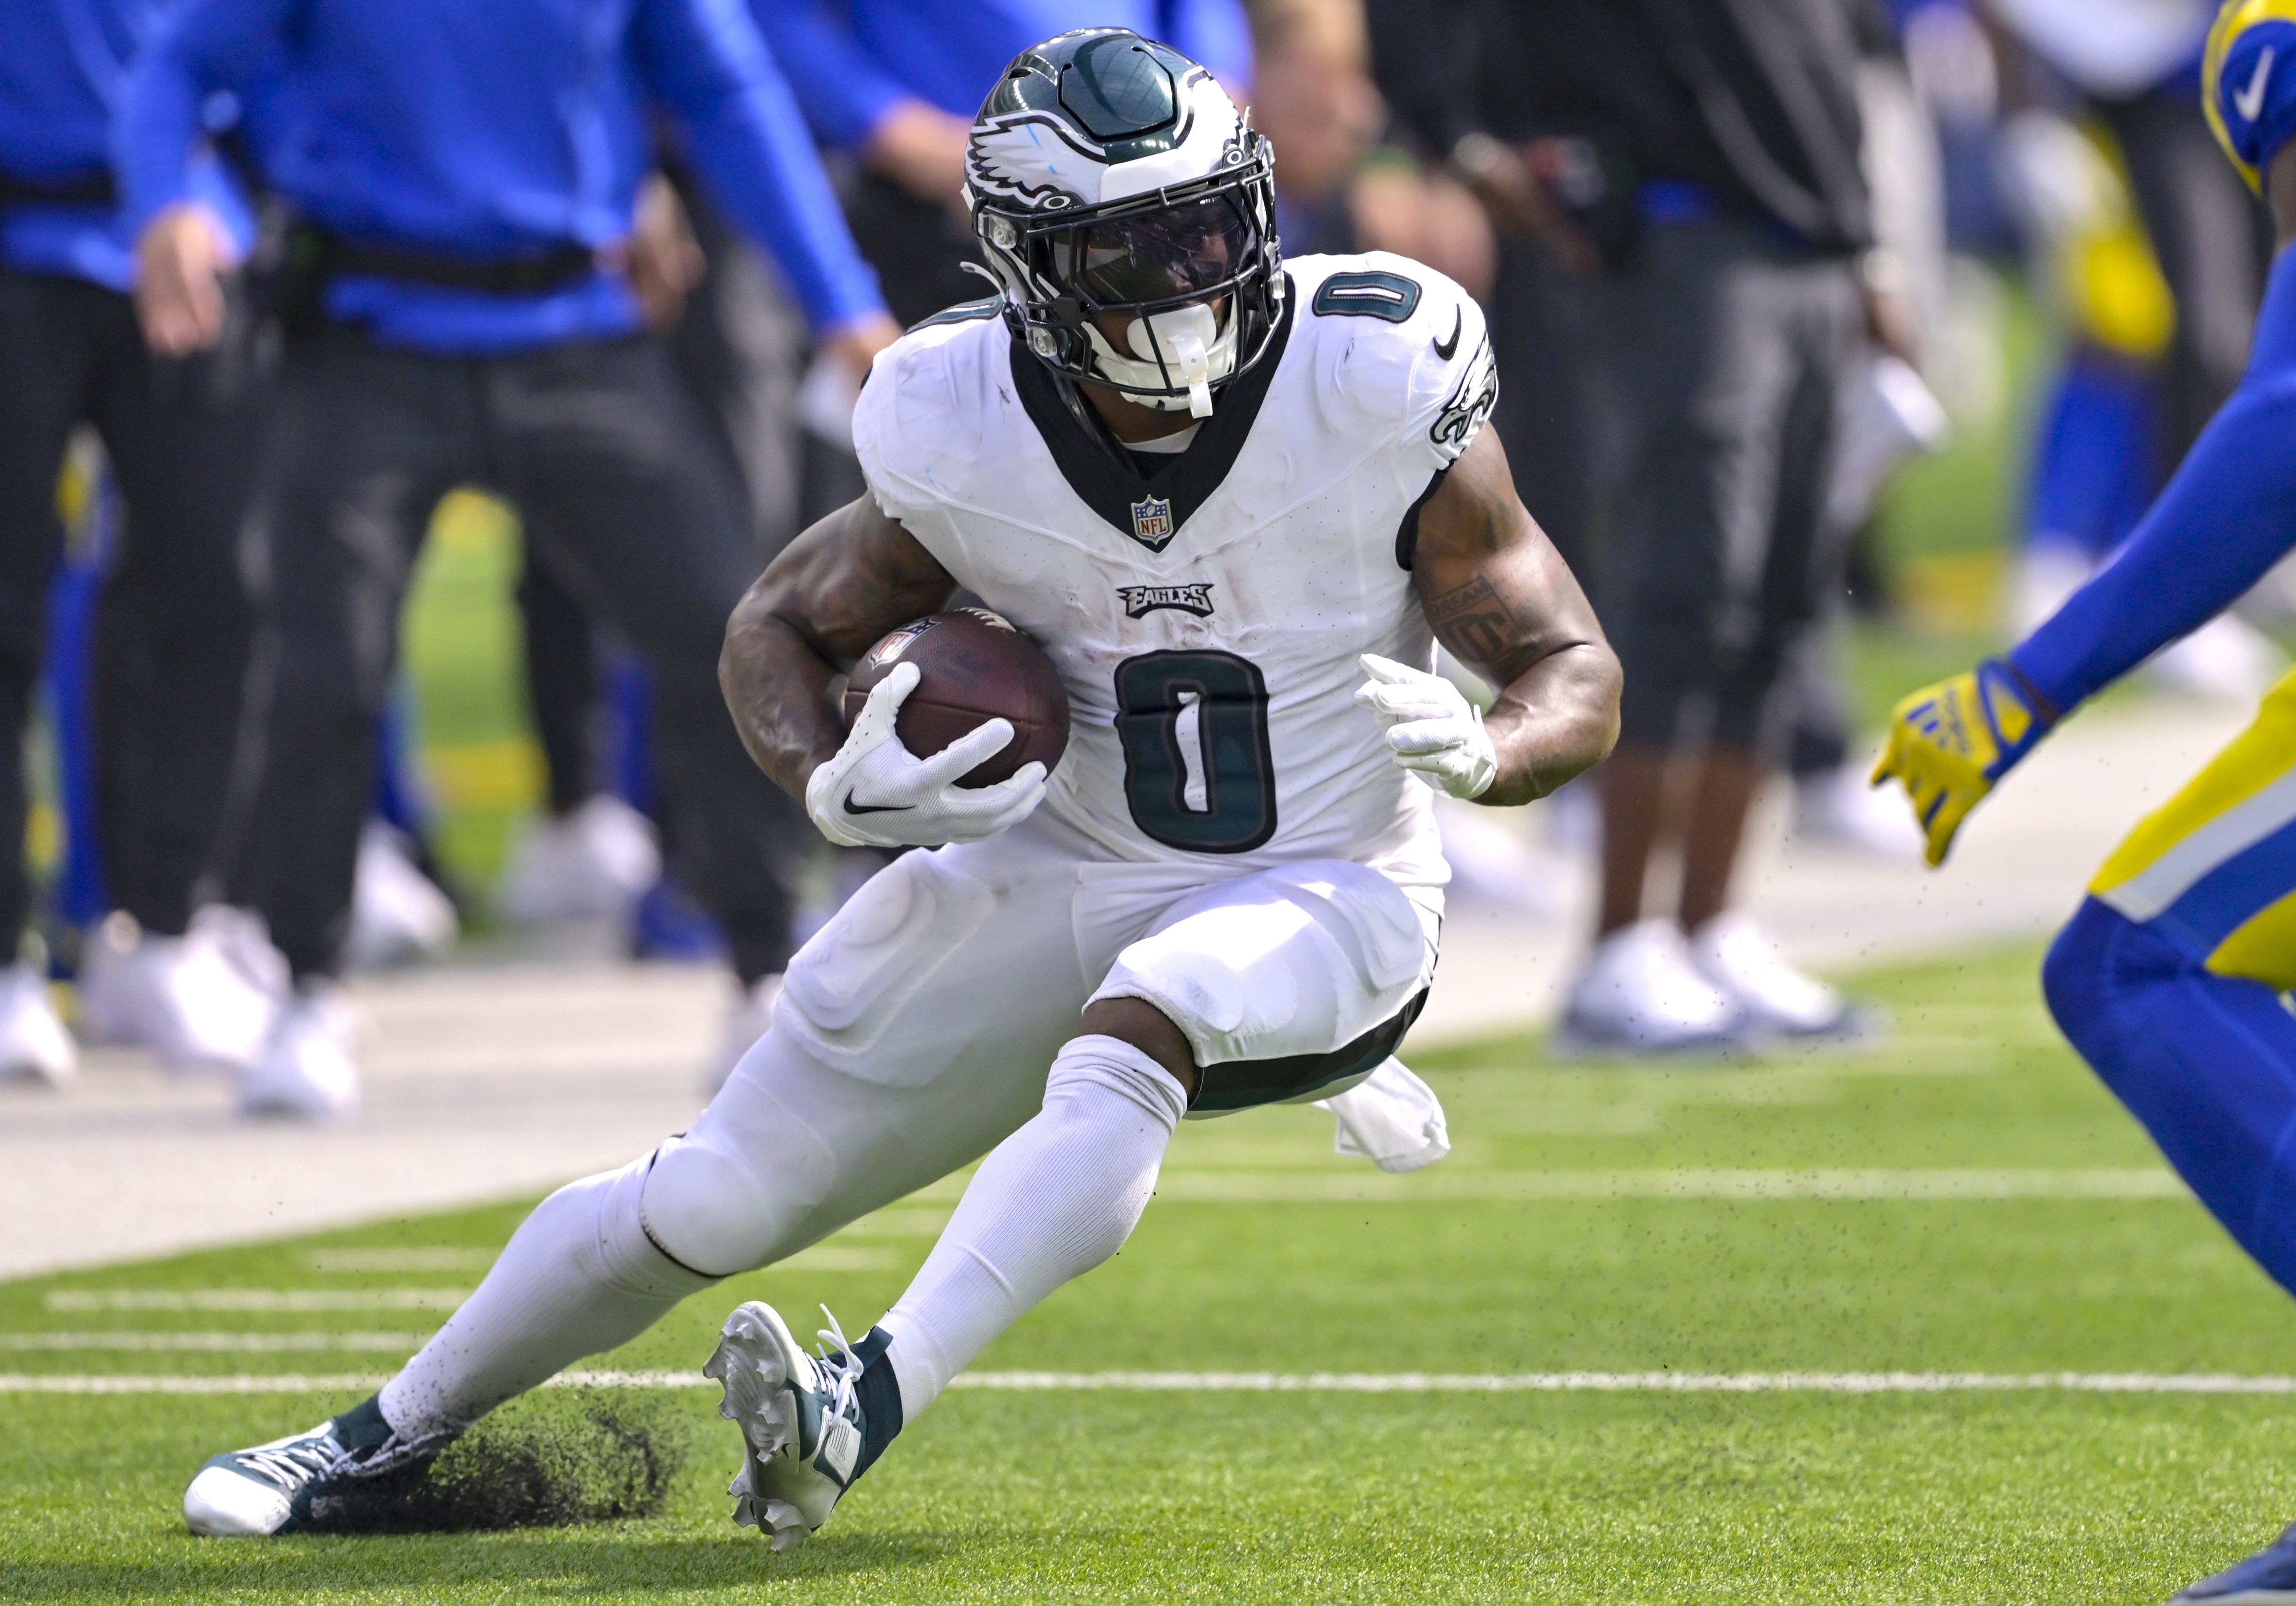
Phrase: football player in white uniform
pixel 1236 505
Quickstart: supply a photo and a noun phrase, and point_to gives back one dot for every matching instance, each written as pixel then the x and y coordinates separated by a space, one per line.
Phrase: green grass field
pixel 1576 1229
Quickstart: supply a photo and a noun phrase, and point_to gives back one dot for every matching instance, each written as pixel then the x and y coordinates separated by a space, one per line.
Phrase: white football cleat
pixel 801 1423
pixel 745 1023
pixel 398 913
pixel 594 863
pixel 1640 993
pixel 306 1071
pixel 1733 954
pixel 270 1488
pixel 34 1047
pixel 202 1001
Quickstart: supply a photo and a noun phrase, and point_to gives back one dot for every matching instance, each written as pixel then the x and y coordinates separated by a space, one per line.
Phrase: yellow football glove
pixel 1949 743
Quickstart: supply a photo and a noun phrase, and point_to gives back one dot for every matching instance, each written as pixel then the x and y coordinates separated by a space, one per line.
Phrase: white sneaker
pixel 1731 952
pixel 2226 660
pixel 1838 809
pixel 1639 993
pixel 202 1001
pixel 745 1023
pixel 398 913
pixel 34 1047
pixel 595 862
pixel 306 1071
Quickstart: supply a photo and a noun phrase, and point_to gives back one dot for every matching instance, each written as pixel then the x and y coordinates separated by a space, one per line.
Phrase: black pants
pixel 2213 240
pixel 173 620
pixel 1726 350
pixel 599 448
pixel 562 683
pixel 918 248
pixel 740 349
pixel 1550 415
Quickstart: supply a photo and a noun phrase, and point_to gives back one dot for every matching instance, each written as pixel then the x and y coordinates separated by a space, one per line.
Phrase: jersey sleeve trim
pixel 1406 534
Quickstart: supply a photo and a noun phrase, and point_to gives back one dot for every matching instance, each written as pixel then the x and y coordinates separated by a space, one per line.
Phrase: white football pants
pixel 915 1033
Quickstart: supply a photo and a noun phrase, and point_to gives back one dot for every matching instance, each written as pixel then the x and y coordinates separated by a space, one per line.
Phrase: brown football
pixel 974 667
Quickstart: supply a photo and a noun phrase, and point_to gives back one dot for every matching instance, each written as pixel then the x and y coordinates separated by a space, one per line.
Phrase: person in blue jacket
pixel 173 619
pixel 894 84
pixel 460 310
pixel 2171 981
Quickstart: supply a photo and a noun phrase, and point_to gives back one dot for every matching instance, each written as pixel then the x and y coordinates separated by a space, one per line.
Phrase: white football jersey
pixel 1207 620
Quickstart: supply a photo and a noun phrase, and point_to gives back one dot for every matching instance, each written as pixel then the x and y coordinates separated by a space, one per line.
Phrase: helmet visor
pixel 1172 253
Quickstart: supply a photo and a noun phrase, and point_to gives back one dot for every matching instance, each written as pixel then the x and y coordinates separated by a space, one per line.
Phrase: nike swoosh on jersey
pixel 2250 100
pixel 852 807
pixel 1444 348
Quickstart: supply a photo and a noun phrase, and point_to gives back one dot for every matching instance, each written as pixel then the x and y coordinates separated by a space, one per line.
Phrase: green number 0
pixel 1197 772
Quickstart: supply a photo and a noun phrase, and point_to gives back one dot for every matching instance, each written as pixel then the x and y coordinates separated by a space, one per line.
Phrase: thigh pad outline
pixel 849 982
pixel 1291 965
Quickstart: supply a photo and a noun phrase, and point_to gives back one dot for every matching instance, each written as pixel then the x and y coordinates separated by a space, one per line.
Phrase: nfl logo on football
pixel 1151 520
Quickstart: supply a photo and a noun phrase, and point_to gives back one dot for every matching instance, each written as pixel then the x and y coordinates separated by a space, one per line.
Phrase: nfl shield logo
pixel 1151 521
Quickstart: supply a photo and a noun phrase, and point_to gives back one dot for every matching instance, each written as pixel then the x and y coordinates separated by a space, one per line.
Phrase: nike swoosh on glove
pixel 1432 730
pixel 1949 743
pixel 875 793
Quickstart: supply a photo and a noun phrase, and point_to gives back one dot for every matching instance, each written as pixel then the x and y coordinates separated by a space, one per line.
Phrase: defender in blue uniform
pixel 2171 979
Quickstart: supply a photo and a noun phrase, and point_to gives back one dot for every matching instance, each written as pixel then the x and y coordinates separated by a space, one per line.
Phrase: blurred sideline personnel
pixel 1715 187
pixel 895 82
pixel 2170 980
pixel 463 180
pixel 2157 254
pixel 1156 451
pixel 174 621
pixel 742 347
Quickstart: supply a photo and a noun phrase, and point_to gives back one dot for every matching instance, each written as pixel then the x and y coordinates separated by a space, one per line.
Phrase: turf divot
pixel 542 1462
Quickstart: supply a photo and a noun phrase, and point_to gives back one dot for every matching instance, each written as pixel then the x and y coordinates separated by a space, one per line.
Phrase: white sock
pixel 1050 1202
pixel 577 1277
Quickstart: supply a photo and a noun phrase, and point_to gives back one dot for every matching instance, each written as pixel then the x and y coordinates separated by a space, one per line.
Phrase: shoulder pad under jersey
pixel 1403 349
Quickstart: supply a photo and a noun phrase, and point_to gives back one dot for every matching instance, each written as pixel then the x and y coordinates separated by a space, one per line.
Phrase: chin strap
pixel 1196 368
pixel 1192 346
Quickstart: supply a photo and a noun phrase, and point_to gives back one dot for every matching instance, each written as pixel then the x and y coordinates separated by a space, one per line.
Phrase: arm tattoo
pixel 1475 621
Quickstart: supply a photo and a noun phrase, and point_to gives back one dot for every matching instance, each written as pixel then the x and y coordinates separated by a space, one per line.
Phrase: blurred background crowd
pixel 396 395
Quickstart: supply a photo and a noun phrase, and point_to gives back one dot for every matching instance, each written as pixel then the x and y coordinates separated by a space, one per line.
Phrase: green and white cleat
pixel 272 1488
pixel 801 1422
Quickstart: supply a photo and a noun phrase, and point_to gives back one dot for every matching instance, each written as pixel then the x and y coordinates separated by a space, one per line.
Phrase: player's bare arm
pixel 819 606
pixel 1504 602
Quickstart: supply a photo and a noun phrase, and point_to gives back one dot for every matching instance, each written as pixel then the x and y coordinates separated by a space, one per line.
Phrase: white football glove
pixel 875 793
pixel 1432 730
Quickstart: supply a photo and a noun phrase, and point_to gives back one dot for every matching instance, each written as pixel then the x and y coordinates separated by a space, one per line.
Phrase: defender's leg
pixel 2169 982
pixel 2205 1062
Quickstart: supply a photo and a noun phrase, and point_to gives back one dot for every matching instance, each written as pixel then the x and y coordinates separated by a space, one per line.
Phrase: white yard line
pixel 1297 1382
pixel 402 1260
pixel 1438 1184
pixel 301 1301
pixel 219 1343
